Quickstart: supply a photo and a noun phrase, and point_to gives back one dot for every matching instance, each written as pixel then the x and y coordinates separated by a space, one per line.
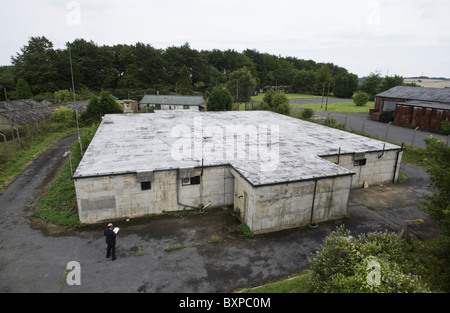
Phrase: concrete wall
pixel 283 206
pixel 289 205
pixel 244 199
pixel 112 197
pixel 376 171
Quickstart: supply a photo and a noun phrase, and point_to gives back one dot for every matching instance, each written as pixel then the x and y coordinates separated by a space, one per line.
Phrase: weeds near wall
pixel 246 231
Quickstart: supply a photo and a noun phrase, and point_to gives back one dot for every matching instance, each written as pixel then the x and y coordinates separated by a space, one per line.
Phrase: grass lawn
pixel 290 96
pixel 337 107
pixel 298 283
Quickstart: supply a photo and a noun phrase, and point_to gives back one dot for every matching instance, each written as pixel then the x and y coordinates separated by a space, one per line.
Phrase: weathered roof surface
pixel 428 104
pixel 172 100
pixel 275 148
pixel 23 112
pixel 417 93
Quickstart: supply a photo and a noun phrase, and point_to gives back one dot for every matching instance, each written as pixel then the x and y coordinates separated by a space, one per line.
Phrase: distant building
pixel 171 102
pixel 419 107
pixel 129 106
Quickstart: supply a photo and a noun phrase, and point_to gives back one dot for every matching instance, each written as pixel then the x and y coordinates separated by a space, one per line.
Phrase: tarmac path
pixel 32 259
pixel 361 122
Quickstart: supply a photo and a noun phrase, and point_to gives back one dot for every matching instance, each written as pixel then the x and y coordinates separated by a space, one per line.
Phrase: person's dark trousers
pixel 111 251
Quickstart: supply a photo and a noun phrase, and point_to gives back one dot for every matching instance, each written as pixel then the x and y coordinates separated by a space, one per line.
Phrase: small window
pixel 360 162
pixel 195 180
pixel 146 185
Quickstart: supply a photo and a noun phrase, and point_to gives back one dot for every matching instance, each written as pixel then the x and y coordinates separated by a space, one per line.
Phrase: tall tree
pixel 372 84
pixel 184 85
pixel 345 84
pixel 35 64
pixel 241 85
pixel 390 82
pixel 303 81
pixel 23 91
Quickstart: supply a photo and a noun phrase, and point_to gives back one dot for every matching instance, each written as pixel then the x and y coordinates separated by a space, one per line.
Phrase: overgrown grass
pixel 297 283
pixel 20 156
pixel 58 204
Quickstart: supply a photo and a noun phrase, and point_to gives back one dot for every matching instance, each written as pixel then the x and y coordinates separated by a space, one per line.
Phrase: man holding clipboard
pixel 111 235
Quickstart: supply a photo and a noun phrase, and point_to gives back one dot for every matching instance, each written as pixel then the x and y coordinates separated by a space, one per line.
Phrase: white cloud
pixel 354 34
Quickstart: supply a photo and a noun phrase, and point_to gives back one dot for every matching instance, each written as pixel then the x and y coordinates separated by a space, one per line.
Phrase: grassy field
pixel 290 96
pixel 337 107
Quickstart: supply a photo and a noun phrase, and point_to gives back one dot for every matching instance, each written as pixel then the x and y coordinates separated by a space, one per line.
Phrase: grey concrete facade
pixel 379 167
pixel 121 196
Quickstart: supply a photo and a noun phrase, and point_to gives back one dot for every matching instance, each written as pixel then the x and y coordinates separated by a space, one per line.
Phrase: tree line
pixel 133 70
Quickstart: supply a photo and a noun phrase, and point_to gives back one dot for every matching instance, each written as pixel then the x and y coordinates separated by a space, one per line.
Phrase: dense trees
pixel 375 83
pixel 135 69
pixel 132 70
pixel 104 104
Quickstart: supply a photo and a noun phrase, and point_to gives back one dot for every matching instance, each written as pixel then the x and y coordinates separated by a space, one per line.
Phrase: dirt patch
pixel 49 229
pixel 383 197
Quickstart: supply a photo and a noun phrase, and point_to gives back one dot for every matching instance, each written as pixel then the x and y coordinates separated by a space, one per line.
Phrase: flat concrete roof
pixel 277 148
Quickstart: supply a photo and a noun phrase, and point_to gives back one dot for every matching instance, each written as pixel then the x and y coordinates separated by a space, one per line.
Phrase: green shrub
pixel 360 98
pixel 64 115
pixel 62 96
pixel 445 127
pixel 346 264
pixel 307 113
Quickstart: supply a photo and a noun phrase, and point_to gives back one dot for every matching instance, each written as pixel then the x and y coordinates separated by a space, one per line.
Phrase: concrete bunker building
pixel 276 171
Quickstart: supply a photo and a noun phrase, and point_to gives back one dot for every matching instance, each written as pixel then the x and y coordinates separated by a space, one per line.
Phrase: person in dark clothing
pixel 110 241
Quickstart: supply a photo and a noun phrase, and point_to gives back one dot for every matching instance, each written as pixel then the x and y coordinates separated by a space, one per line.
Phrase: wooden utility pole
pixel 328 92
pixel 323 92
pixel 237 92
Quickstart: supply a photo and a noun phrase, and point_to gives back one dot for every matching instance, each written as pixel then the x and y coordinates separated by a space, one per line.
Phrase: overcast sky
pixel 403 37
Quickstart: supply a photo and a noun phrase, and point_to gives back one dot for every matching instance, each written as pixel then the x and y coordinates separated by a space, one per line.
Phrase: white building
pixel 171 102
pixel 276 171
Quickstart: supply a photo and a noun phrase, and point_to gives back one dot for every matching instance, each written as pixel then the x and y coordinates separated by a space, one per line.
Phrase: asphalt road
pixel 34 259
pixel 361 122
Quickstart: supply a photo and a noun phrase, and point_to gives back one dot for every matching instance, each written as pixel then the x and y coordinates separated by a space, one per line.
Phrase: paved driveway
pixel 33 257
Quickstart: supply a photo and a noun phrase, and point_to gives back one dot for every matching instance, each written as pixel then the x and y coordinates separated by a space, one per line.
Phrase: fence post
pixel 6 144
pixel 387 129
pixel 18 135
